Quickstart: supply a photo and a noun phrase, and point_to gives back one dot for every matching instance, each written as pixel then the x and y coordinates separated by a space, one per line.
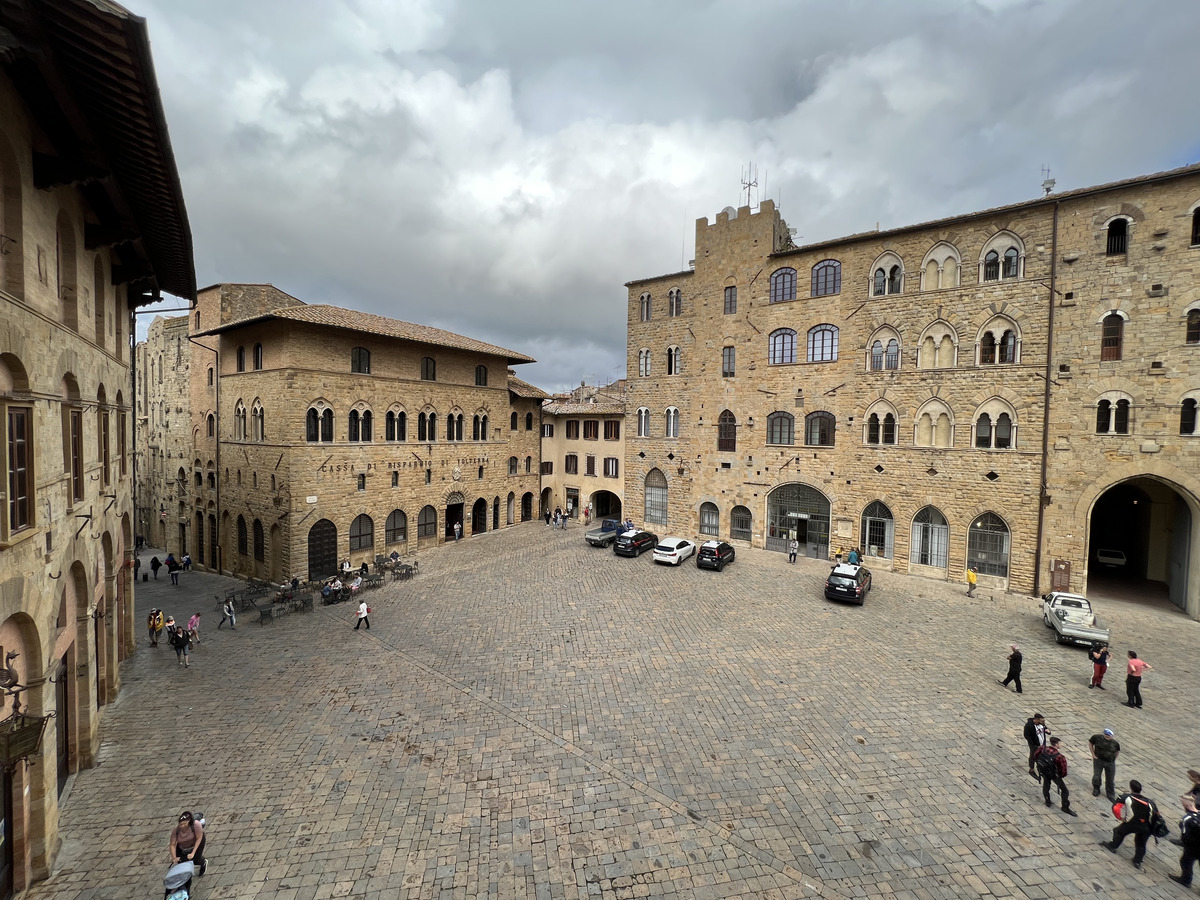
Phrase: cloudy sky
pixel 501 167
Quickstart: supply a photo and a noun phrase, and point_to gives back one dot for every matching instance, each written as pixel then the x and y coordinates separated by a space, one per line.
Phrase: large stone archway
pixel 800 511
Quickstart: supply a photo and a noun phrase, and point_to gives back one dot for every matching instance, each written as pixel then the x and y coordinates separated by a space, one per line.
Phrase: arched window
pixel 481 376
pixel 212 425
pixel 930 538
pixel 258 357
pixel 673 361
pixel 656 498
pixel 512 422
pixel 239 422
pixel 422 427
pixel 645 308
pixel 327 426
pixel 1103 416
pixel 643 422
pixel 458 427
pixel 1118 238
pixel 740 522
pixel 823 343
pixel 1192 332
pixel 360 361
pixel 1011 262
pixel 783 285
pixel 352 431
pixel 1121 417
pixel 428 369
pixel 362 533
pixel 432 427
pixel 312 426
pixel 710 519
pixel 1187 417
pixel 878 530
pixel 427 522
pixel 987 349
pixel 991 266
pixel 781 428
pixel 260 542
pixel 672 419
pixel 241 359
pixel 1196 228
pixel 1111 336
pixel 512 465
pixel 528 464
pixel 819 429
pixel 674 302
pixel 726 431
pixel 983 431
pixel 988 545
pixel 826 278
pixel 259 423
pixel 395 529
pixel 643 363
pixel 243 543
pixel 475 428
pixel 879 287
pixel 210 376
pixel 529 421
pixel 1008 347
pixel 782 347
pixel 881 429
pixel 389 426
pixel 367 421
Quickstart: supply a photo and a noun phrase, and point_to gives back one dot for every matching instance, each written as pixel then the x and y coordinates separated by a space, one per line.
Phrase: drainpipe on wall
pixel 1043 496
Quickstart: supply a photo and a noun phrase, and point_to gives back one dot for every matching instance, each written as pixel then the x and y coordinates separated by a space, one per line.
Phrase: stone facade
pixel 72 270
pixel 306 434
pixel 889 390
pixel 583 451
pixel 164 435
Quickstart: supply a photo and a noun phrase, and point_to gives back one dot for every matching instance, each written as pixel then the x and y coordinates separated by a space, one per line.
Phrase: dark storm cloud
pixel 500 169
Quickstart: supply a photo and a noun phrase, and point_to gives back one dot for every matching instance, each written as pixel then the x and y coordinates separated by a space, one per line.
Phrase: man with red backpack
pixel 1137 814
pixel 1052 769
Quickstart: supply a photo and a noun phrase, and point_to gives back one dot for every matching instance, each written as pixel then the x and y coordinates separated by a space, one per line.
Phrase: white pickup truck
pixel 1072 618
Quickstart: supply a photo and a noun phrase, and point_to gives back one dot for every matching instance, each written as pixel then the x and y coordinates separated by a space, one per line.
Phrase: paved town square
pixel 531 717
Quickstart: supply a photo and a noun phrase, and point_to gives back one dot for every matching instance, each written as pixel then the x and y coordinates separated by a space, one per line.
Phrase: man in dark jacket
pixel 1189 837
pixel 1052 767
pixel 1104 749
pixel 1137 812
pixel 1014 668
pixel 1036 734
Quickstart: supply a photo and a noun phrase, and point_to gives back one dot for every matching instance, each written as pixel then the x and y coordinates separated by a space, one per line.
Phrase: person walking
pixel 137 564
pixel 155 565
pixel 193 628
pixel 1133 680
pixel 1051 767
pixel 1192 794
pixel 793 549
pixel 187 562
pixel 228 612
pixel 173 569
pixel 1136 814
pixel 457 532
pixel 1015 661
pixel 363 612
pixel 187 842
pixel 1036 733
pixel 1099 657
pixel 547 516
pixel 972 579
pixel 854 556
pixel 154 622
pixel 1189 839
pixel 1104 749
pixel 182 643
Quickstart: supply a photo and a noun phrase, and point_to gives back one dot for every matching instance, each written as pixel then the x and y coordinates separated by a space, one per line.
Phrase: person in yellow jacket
pixel 154 622
pixel 971 579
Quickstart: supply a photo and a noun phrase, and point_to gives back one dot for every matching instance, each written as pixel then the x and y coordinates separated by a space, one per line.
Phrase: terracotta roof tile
pixel 584 409
pixel 525 390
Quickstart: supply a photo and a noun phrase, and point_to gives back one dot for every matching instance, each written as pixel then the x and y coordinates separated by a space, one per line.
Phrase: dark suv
pixel 847 582
pixel 714 555
pixel 634 543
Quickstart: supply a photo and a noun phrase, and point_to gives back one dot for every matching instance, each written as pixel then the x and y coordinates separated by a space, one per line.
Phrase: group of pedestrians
pixel 558 519
pixel 181 639
pixel 1138 815
pixel 1098 657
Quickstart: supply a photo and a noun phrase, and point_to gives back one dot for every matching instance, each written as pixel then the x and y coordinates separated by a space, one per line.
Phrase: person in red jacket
pixel 1052 768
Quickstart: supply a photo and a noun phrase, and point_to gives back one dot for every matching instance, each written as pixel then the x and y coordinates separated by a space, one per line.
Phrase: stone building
pixel 320 434
pixel 583 451
pixel 1013 389
pixel 163 430
pixel 92 226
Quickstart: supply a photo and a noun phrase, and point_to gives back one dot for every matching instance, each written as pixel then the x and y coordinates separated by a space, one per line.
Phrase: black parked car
pixel 634 543
pixel 714 555
pixel 847 582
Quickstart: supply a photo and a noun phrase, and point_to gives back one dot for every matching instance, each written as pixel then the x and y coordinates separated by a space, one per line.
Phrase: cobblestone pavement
pixel 531 717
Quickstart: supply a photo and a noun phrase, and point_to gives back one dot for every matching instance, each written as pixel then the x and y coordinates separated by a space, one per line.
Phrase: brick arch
pixel 1185 484
pixel 1113 383
pixel 1020 405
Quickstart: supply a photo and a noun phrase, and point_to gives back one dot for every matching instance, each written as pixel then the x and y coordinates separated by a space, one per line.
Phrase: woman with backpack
pixel 182 642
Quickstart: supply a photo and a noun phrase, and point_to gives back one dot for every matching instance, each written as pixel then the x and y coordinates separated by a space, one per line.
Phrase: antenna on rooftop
pixel 750 182
pixel 1047 181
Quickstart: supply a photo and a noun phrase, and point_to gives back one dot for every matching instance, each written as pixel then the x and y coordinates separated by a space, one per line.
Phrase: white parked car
pixel 1073 619
pixel 1114 559
pixel 673 550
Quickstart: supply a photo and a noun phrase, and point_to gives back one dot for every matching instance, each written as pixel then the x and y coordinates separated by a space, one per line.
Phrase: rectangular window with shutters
pixel 547 468
pixel 75 451
pixel 20 468
pixel 572 429
pixel 612 430
pixel 591 430
pixel 610 467
pixel 122 447
pixel 571 464
pixel 548 429
pixel 591 466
